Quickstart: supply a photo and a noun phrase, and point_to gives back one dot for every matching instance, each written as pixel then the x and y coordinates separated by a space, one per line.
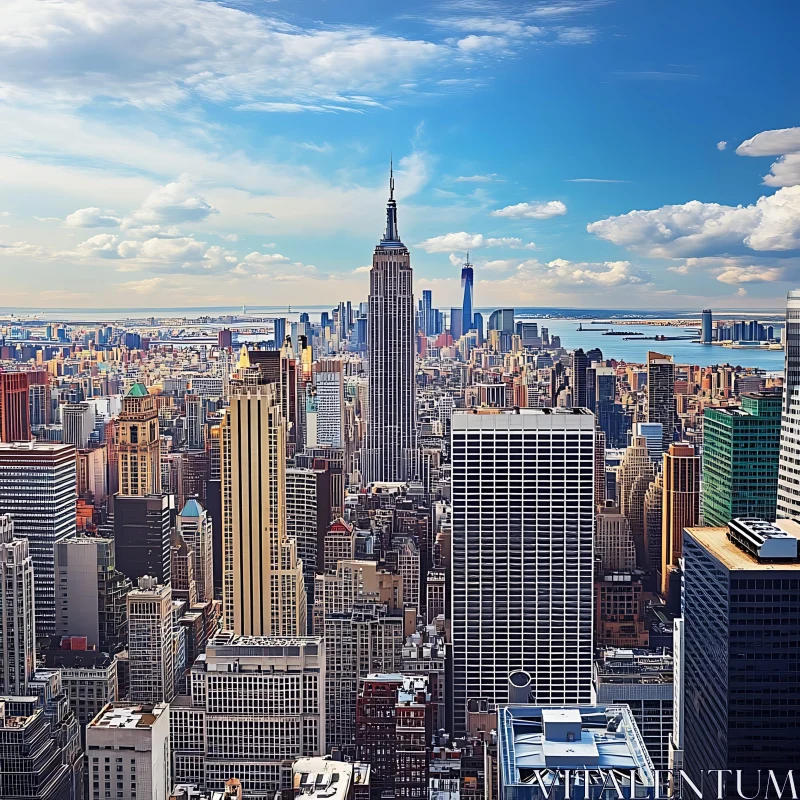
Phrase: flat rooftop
pixel 716 541
pixel 129 715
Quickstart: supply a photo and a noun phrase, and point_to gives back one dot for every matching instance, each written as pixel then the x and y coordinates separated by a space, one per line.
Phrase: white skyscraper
pixel 17 626
pixel 37 489
pixel 789 464
pixel 522 552
pixel 194 524
pixel 390 440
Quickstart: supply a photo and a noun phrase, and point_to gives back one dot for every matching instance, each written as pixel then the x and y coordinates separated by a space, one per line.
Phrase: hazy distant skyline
pixel 589 154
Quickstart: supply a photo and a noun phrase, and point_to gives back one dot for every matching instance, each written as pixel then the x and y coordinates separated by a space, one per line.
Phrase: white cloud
pixel 594 180
pixel 465 241
pixel 553 208
pixel 721 145
pixel 160 53
pixel 92 218
pixel 701 229
pixel 362 270
pixel 489 178
pixel 785 143
pixel 173 204
pixel 771 143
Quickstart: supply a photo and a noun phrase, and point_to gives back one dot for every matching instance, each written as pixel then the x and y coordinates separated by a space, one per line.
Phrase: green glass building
pixel 740 459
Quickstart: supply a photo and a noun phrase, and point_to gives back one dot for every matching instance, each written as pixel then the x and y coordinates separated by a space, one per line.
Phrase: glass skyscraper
pixel 740 459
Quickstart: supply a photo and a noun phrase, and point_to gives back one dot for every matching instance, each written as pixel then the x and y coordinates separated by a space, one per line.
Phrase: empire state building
pixel 391 435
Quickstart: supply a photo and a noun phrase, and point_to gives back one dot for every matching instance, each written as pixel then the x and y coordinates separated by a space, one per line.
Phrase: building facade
pixel 256 704
pixel 390 441
pixel 523 487
pixel 37 489
pixel 263 587
pixel 661 395
pixel 741 448
pixel 138 444
pixel 789 460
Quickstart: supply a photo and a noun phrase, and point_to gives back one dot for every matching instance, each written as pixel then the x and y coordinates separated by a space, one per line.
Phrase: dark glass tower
pixel 467 280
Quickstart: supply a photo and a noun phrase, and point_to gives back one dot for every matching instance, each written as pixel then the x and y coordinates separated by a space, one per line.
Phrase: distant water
pixel 635 350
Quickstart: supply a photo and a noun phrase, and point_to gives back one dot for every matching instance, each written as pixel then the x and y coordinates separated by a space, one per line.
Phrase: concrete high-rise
pixel 681 505
pixel 150 643
pixel 138 444
pixel 90 592
pixel 523 490
pixel 17 623
pixel 256 704
pixel 789 464
pixel 741 448
pixel 38 489
pixel 741 645
pixel 661 395
pixel 142 536
pixel 78 423
pixel 194 524
pixel 263 588
pixel 635 473
pixel 389 454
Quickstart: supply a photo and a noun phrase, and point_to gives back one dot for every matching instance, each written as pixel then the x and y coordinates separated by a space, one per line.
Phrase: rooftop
pixel 129 715
pixel 137 390
pixel 716 542
pixel 325 778
pixel 192 509
pixel 534 738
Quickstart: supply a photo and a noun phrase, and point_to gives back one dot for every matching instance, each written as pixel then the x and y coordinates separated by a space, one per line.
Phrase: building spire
pixel 391 234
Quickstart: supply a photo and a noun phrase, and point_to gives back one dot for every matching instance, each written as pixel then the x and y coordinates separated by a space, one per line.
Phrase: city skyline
pixel 251 171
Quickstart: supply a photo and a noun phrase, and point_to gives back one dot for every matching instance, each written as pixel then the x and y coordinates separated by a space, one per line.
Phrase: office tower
pixel 661 395
pixel 390 441
pixel 195 421
pixel 18 640
pixel 38 404
pixel 653 522
pixel 741 448
pixel 523 488
pixel 142 536
pixel 547 740
pixel 37 489
pixel 89 677
pixel 706 330
pixel 90 592
pixel 789 467
pixel 456 324
pixel 653 432
pixel 477 324
pixel 613 542
pixel 634 475
pixel 681 505
pixel 280 684
pixel 194 525
pixel 394 726
pixel 467 281
pixel 138 444
pixel 15 423
pixel 620 611
pixel 741 645
pixel 184 586
pixel 328 425
pixel 263 586
pixel 37 764
pixel 308 512
pixel 92 474
pixel 128 752
pixel 502 320
pixel 368 638
pixel 599 467
pixel 644 682
pixel 78 421
pixel 428 316
pixel 580 364
pixel 150 642
pixel 279 331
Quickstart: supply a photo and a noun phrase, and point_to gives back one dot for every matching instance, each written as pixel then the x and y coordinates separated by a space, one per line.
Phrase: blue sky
pixel 587 152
